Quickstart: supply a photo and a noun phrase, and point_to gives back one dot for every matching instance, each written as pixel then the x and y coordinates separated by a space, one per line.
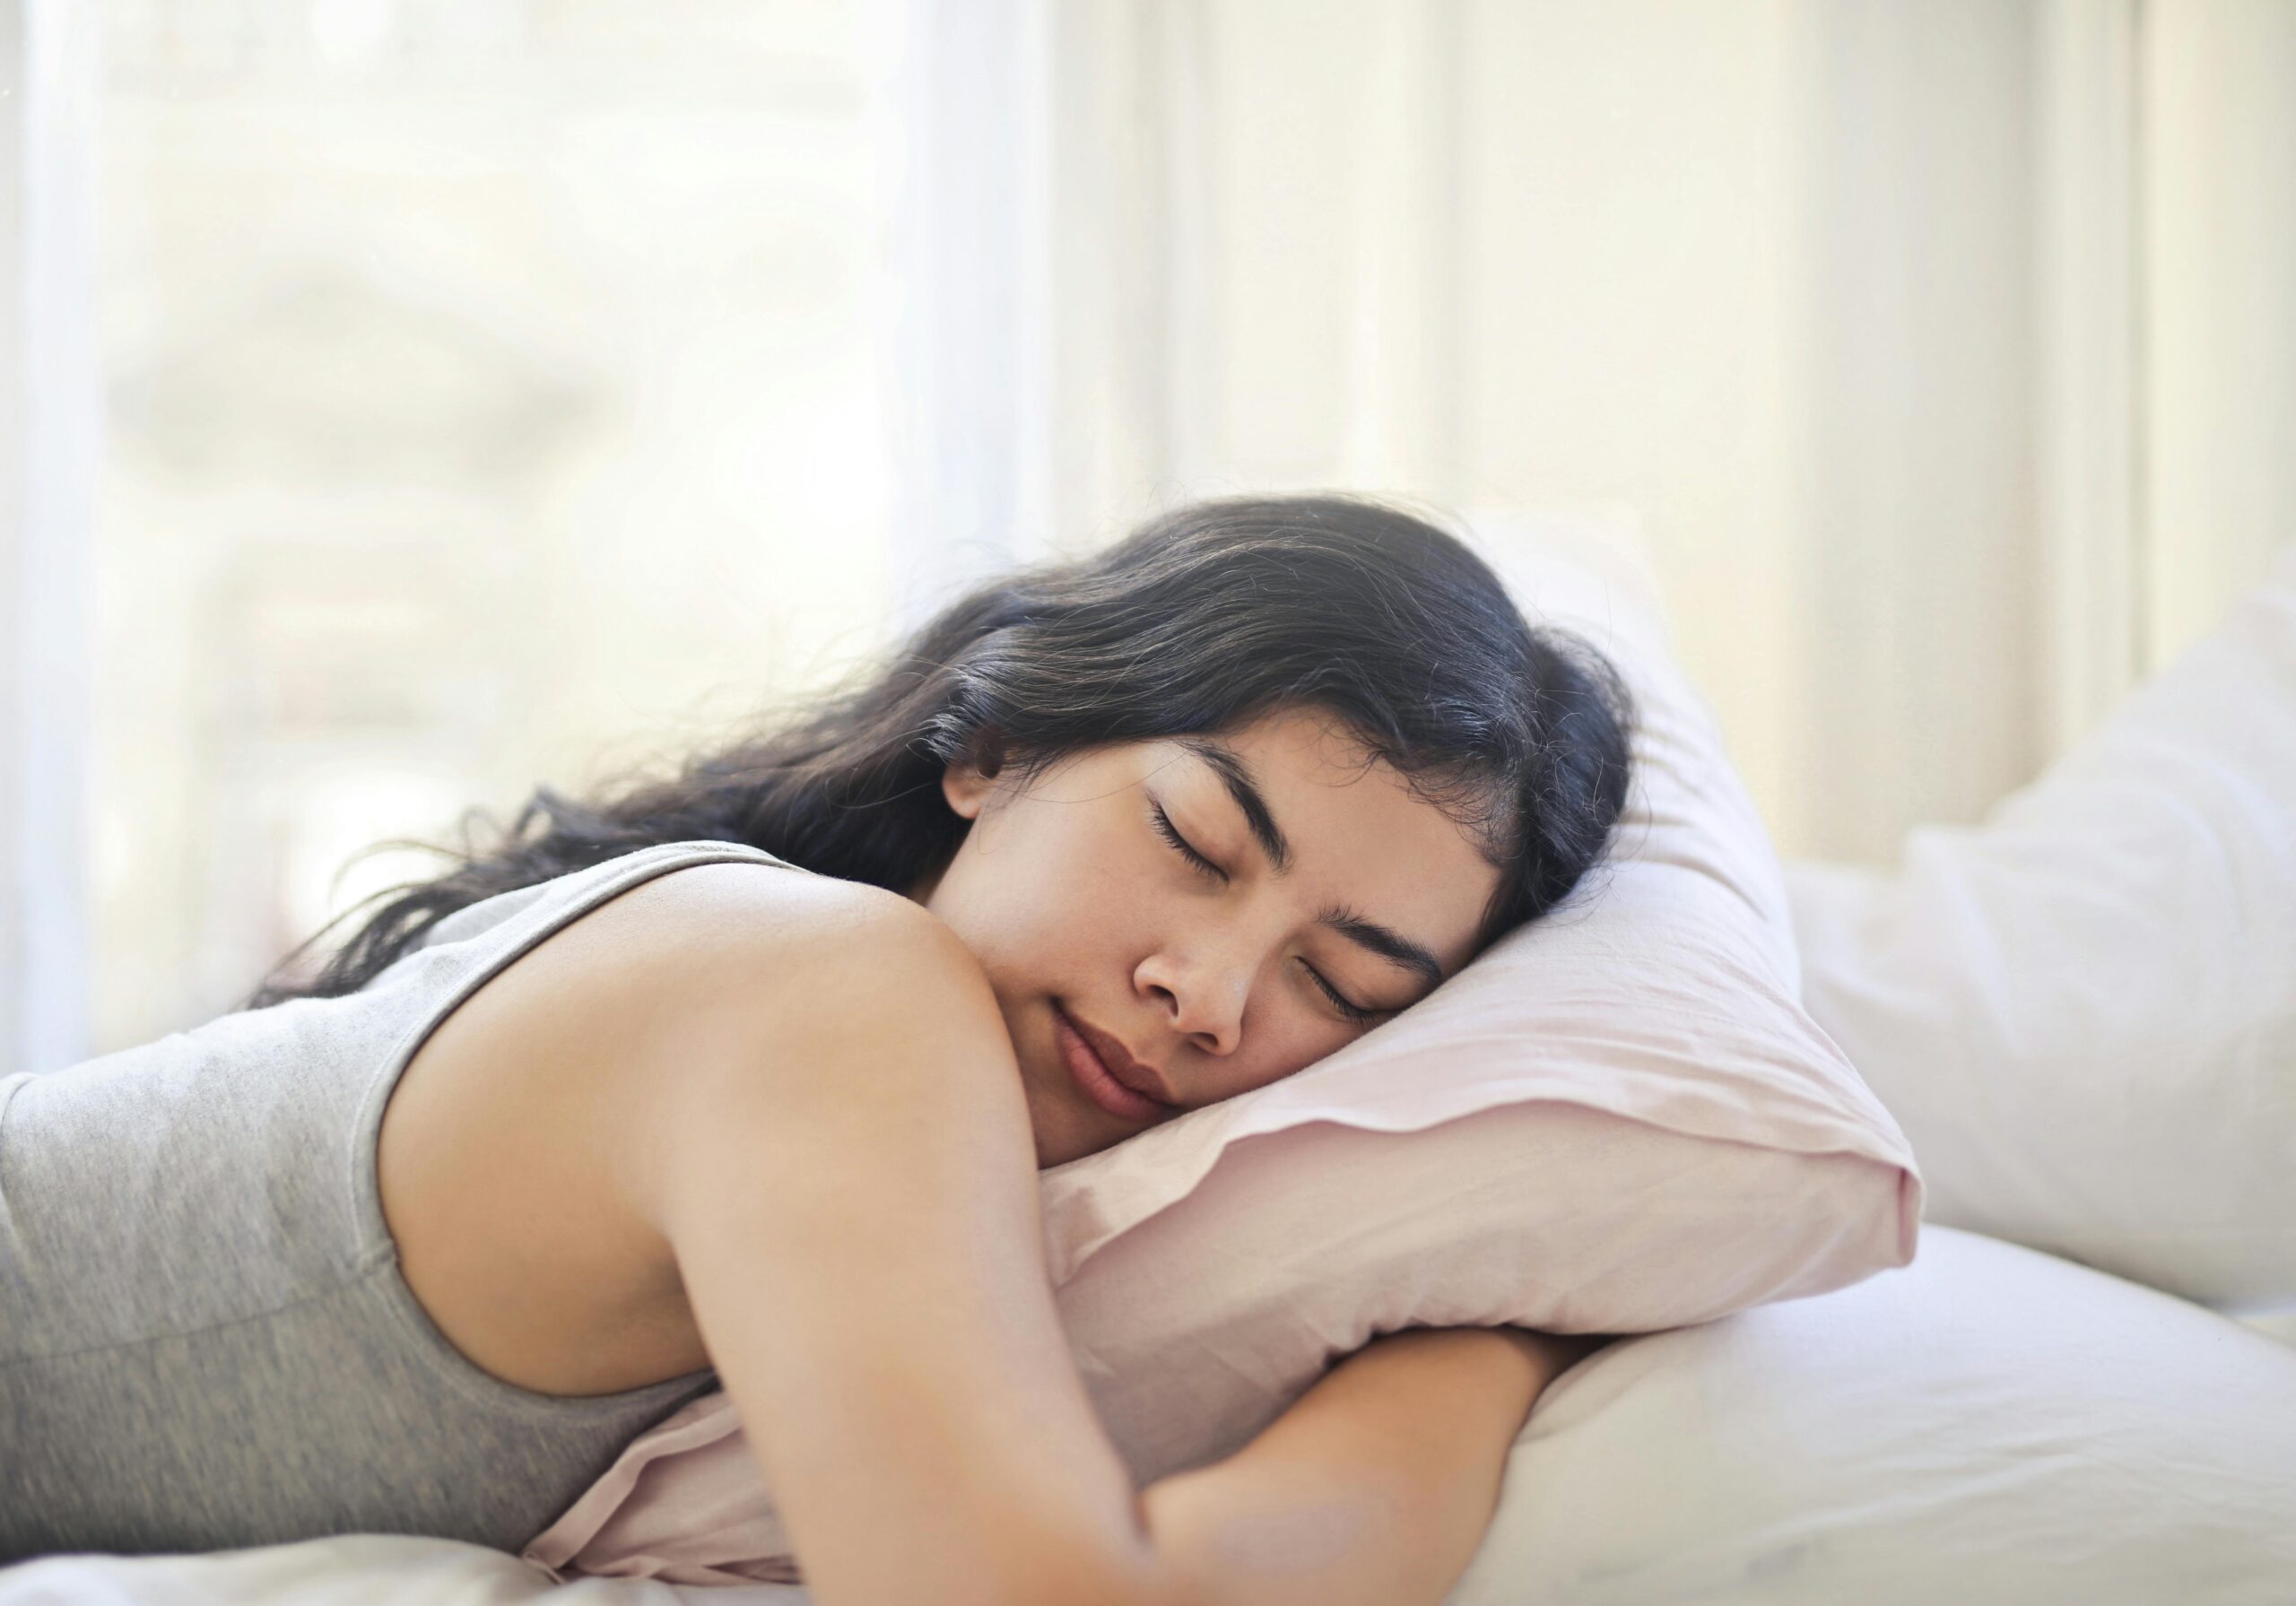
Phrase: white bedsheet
pixel 1988 1426
pixel 359 1569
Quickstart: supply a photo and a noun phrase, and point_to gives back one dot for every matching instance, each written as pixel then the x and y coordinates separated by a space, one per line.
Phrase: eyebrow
pixel 1236 776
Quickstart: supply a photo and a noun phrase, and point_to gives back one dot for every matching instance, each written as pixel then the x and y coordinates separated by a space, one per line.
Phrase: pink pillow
pixel 1618 1119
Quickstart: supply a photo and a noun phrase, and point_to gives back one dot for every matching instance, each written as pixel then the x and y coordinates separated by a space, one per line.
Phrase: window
pixel 491 395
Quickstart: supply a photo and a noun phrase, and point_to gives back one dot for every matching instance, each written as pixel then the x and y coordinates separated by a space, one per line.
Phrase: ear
pixel 967 782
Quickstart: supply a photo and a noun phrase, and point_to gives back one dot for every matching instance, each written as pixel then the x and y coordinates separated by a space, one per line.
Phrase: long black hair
pixel 1201 620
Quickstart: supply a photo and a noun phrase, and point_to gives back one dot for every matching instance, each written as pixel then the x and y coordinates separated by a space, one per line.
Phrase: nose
pixel 1205 999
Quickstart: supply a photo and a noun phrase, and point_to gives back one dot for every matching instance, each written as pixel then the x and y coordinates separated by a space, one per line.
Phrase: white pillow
pixel 2083 1010
pixel 1991 1426
pixel 1619 1119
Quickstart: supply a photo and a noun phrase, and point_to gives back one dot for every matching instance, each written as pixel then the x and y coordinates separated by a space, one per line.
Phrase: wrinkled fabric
pixel 1988 1426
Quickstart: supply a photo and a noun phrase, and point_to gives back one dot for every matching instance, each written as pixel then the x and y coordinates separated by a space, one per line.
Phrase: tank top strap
pixel 430 983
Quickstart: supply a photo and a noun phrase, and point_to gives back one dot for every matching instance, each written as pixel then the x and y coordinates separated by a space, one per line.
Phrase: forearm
pixel 1375 1488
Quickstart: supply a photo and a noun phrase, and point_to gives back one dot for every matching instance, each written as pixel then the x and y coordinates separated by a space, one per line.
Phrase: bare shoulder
pixel 807 1013
pixel 684 919
pixel 783 962
pixel 747 912
pixel 775 1128
pixel 721 943
pixel 705 945
pixel 505 1159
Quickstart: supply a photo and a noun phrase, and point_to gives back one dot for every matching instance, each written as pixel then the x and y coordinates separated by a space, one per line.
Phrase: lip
pixel 1089 1064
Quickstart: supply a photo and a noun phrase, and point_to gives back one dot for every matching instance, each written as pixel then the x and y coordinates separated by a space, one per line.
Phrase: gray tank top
pixel 204 1339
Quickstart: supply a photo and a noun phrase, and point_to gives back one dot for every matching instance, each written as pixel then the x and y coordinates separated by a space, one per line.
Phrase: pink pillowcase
pixel 1619 1119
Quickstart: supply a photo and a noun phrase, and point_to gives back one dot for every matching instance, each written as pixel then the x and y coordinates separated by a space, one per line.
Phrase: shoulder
pixel 772 978
pixel 733 936
pixel 522 1126
pixel 688 971
pixel 738 899
pixel 838 1029
pixel 697 920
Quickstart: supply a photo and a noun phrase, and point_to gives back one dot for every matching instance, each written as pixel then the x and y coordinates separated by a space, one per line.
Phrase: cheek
pixel 1051 916
pixel 1295 1039
pixel 1276 1048
pixel 1107 887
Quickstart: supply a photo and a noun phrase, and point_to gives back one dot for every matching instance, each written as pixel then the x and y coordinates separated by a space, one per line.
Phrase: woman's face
pixel 1077 905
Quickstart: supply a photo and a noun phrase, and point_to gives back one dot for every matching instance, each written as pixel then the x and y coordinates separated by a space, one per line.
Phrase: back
pixel 206 1338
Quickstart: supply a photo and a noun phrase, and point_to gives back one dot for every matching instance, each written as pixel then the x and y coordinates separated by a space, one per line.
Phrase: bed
pixel 1989 1425
pixel 2084 1387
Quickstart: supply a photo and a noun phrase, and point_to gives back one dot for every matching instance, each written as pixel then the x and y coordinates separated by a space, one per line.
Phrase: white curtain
pixel 1945 347
pixel 2217 413
pixel 48 450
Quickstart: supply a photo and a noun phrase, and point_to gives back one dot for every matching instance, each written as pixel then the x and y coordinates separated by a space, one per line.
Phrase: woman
pixel 624 1109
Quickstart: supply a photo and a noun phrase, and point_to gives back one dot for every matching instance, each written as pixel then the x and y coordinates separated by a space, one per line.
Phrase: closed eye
pixel 1165 828
pixel 1355 1012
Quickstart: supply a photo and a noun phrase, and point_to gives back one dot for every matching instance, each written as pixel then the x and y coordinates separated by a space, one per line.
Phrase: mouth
pixel 1094 1075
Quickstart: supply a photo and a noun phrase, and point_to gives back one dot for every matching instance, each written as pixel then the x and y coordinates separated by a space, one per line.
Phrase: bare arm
pixel 841 1162
pixel 1375 1489
pixel 824 1124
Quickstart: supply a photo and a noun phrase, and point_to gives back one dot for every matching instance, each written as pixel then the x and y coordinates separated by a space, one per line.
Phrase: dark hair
pixel 1201 620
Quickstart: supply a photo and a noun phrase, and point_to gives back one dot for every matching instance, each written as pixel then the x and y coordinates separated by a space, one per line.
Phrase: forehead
pixel 1297 747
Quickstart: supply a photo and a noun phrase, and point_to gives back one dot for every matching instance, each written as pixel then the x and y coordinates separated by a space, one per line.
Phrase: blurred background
pixel 415 400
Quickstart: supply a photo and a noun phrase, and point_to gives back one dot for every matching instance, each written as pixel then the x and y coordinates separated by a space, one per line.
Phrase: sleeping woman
pixel 744 1077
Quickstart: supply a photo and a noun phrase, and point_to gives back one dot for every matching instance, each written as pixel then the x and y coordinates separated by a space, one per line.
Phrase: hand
pixel 1375 1488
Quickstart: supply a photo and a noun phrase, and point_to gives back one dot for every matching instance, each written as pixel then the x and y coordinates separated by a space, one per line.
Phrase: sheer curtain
pixel 48 66
pixel 493 396
pixel 1945 349
pixel 456 441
